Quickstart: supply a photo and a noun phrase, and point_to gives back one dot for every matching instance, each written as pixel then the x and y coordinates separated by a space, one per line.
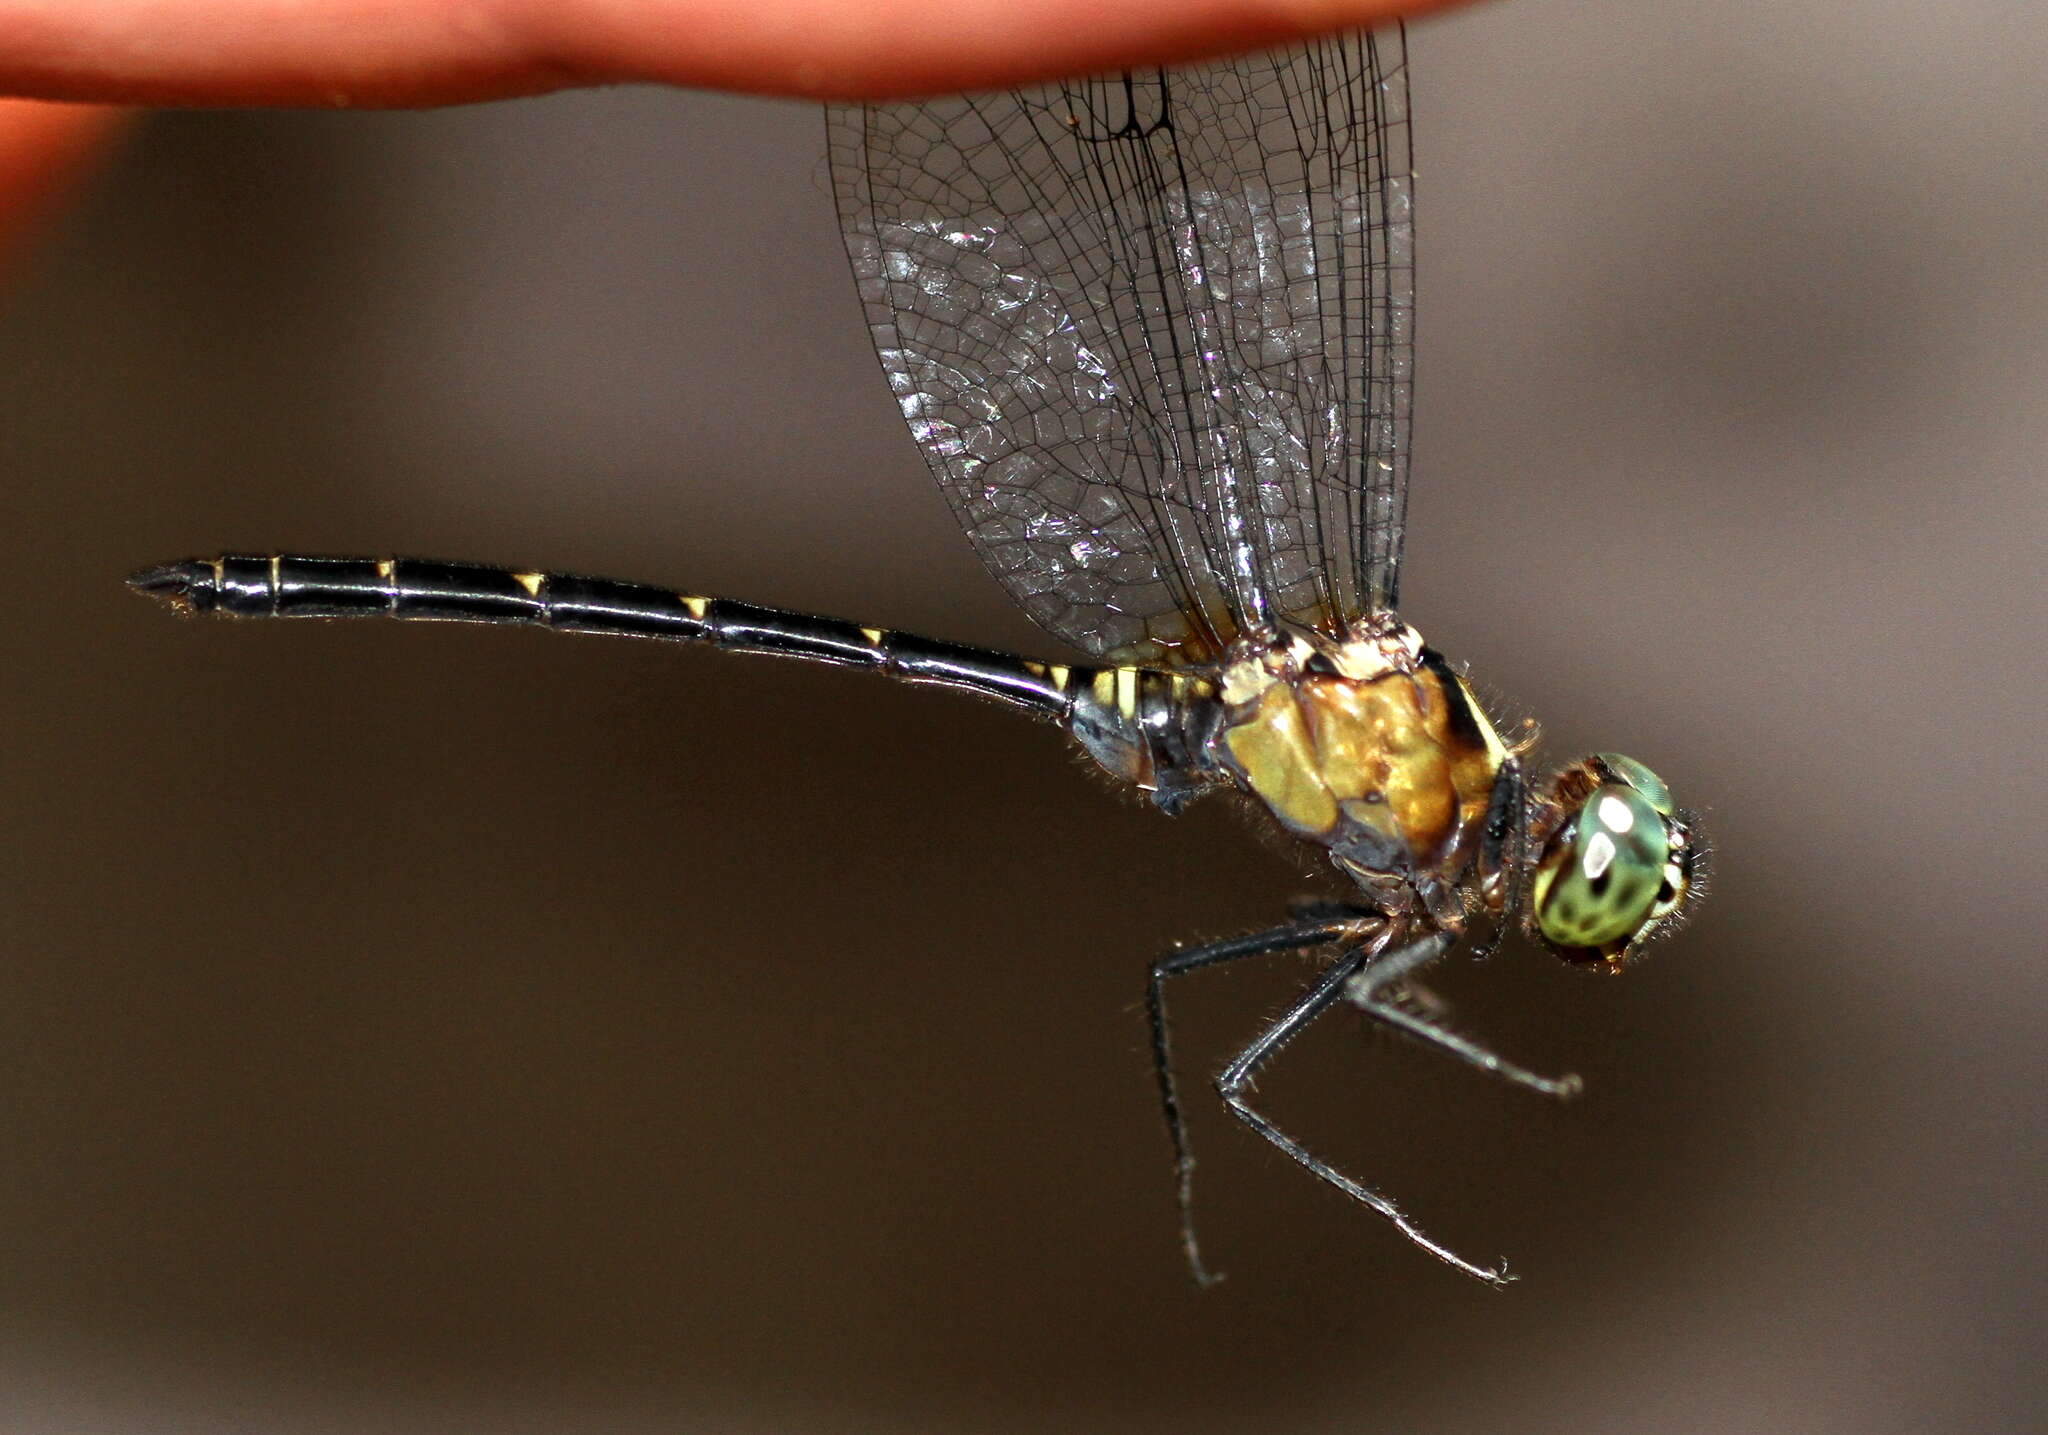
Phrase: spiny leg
pixel 1363 990
pixel 1237 1077
pixel 1294 937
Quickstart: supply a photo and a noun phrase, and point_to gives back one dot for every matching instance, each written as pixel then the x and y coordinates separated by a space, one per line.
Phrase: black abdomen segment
pixel 288 586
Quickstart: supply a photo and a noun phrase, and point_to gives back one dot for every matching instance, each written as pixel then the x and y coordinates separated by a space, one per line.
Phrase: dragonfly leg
pixel 1504 844
pixel 1236 1080
pixel 1365 989
pixel 1334 925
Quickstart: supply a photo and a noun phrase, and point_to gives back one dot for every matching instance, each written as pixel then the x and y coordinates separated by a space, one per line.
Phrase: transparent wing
pixel 1154 334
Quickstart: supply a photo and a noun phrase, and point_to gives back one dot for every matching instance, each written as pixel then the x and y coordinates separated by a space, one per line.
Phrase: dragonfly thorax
pixel 1369 745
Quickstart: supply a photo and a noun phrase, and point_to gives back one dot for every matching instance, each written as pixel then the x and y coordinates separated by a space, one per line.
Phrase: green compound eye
pixel 1627 770
pixel 1607 874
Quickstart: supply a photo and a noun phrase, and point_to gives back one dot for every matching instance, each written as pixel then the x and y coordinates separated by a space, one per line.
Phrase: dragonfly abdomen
pixel 1148 726
pixel 298 586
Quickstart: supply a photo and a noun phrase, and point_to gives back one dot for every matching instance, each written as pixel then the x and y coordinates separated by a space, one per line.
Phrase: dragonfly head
pixel 1618 864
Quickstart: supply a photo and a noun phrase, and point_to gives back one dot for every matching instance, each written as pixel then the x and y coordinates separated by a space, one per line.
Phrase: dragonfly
pixel 1153 334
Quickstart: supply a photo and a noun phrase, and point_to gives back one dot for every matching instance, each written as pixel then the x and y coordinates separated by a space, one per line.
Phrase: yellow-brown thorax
pixel 1370 746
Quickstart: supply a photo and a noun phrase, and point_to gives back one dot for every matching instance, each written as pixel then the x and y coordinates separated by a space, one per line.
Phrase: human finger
pixel 426 52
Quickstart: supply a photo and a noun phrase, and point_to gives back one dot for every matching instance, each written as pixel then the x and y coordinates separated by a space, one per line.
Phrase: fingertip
pixel 45 147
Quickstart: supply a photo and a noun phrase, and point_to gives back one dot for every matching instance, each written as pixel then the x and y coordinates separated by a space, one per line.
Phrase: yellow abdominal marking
pixel 1055 673
pixel 695 607
pixel 874 635
pixel 531 582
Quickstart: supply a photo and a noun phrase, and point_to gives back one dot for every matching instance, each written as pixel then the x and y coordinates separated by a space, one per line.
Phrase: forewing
pixel 1153 333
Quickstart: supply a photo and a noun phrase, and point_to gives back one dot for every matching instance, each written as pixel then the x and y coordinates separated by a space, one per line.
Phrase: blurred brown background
pixel 435 1029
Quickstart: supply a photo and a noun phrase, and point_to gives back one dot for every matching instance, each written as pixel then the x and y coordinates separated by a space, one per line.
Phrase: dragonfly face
pixel 1617 865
